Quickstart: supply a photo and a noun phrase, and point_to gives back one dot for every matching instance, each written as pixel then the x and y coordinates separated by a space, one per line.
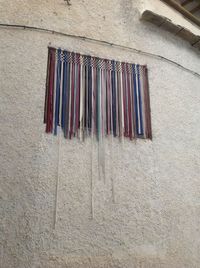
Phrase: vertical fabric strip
pixel 49 103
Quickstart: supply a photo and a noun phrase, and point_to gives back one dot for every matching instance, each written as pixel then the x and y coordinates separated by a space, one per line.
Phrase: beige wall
pixel 155 220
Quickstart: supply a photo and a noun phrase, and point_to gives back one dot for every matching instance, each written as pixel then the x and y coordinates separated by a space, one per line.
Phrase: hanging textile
pixel 91 96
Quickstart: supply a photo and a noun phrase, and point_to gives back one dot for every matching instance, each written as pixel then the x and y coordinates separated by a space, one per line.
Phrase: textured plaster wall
pixel 156 217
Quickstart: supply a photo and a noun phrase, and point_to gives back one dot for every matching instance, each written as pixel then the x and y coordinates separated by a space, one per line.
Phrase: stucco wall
pixel 155 219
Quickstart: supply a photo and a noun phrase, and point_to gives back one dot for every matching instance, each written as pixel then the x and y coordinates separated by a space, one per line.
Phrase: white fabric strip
pixel 138 102
pixel 81 103
pixel 61 89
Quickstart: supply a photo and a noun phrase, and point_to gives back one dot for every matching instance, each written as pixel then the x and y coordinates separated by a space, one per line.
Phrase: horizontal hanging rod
pixel 103 42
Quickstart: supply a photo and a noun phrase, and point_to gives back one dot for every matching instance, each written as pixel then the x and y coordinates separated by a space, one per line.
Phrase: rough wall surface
pixel 155 219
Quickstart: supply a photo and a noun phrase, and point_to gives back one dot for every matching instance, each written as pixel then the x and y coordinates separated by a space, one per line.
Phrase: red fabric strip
pixel 50 100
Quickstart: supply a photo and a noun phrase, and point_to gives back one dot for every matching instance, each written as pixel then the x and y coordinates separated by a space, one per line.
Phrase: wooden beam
pixel 186 2
pixel 183 11
pixel 195 9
